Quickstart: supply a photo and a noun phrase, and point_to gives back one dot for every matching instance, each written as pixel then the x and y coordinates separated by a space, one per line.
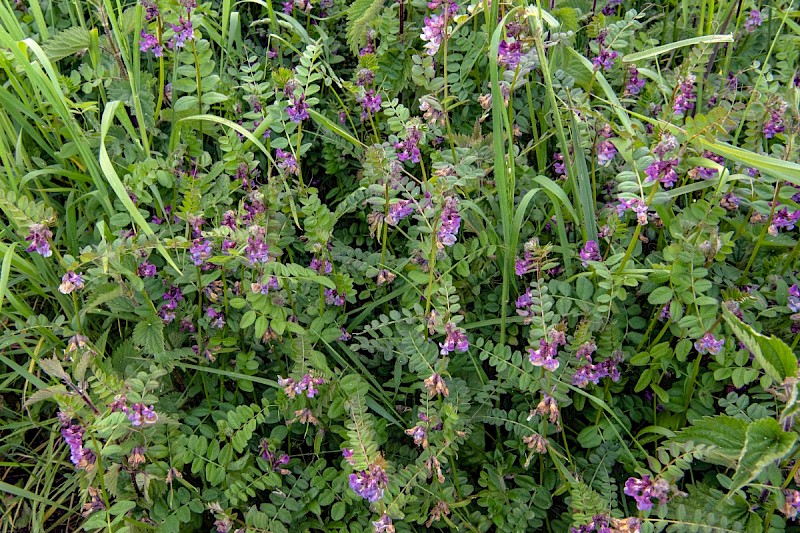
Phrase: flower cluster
pixel 370 103
pixel 605 152
pixel 794 298
pixel 408 148
pixel 383 525
pixel 200 251
pixel 398 211
pixel 298 109
pixel 276 462
pixel 139 414
pixel 369 484
pixel 754 20
pixel 436 385
pixel 149 42
pixel 635 84
pixel 334 297
pixel 594 372
pixel 509 54
pixel 791 504
pixel 782 219
pixel 709 344
pixel 287 162
pixel 643 490
pixel 73 435
pixel 322 266
pixel 525 306
pixel 685 97
pixel 605 57
pixel 307 384
pixel 39 236
pixel 456 339
pixel 146 269
pixel 70 282
pixel 257 250
pixel 545 355
pixel 774 124
pixel 610 7
pixel 184 32
pixel 633 204
pixel 590 252
pixel 450 222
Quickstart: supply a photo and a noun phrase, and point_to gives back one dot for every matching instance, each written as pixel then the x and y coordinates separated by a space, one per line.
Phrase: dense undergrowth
pixel 381 266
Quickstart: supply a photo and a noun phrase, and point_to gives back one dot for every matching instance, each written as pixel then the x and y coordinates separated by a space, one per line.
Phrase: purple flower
pixel 151 9
pixel 665 313
pixel 199 251
pixel 146 270
pixel 369 484
pixel 754 20
pixel 171 297
pixel 590 252
pixel 730 201
pixel 321 266
pixel 70 282
pixel 450 222
pixel 774 125
pixel 287 162
pixel 593 373
pixel 794 298
pixel 183 33
pixel 635 205
pixel 306 384
pixel 433 32
pixel 509 54
pixel 73 436
pixel 257 251
pixel 544 356
pixel 559 166
pixel 708 344
pixel 383 525
pixel 792 503
pixel 148 42
pixel 456 339
pixel 606 152
pixel 139 413
pixel 685 97
pixel 635 84
pixel 334 297
pixel 365 77
pixel 217 318
pixel 39 236
pixel 370 103
pixel 398 211
pixel 605 59
pixel 610 7
pixel 408 148
pixel 642 490
pixel 298 109
pixel 662 170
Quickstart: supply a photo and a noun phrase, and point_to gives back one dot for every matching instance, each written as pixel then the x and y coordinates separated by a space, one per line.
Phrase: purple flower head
pixel 139 413
pixel 151 9
pixel 200 251
pixel 794 298
pixel 544 356
pixel 257 251
pixel 217 318
pixel 183 33
pixel 665 313
pixel 398 211
pixel 70 282
pixel 754 20
pixel 433 33
pixel 383 525
pixel 39 236
pixel 450 222
pixel 148 42
pixel 171 297
pixel 321 266
pixel 146 270
pixel 370 103
pixel 369 484
pixel 298 109
pixel 708 344
pixel 635 84
pixel 730 201
pixel 605 59
pixel 594 372
pixel 685 97
pixel 792 503
pixel 334 297
pixel 774 125
pixel 509 54
pixel 590 252
pixel 73 436
pixel 606 152
pixel 610 7
pixel 365 77
pixel 287 162
pixel 662 170
pixel 456 339
pixel 642 490
pixel 408 148
pixel 559 166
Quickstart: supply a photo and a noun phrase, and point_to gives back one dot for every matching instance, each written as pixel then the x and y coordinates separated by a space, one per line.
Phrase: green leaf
pixel 66 43
pixel 724 434
pixel 765 443
pixel 771 353
pixel 663 49
pixel 660 296
pixel 149 334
